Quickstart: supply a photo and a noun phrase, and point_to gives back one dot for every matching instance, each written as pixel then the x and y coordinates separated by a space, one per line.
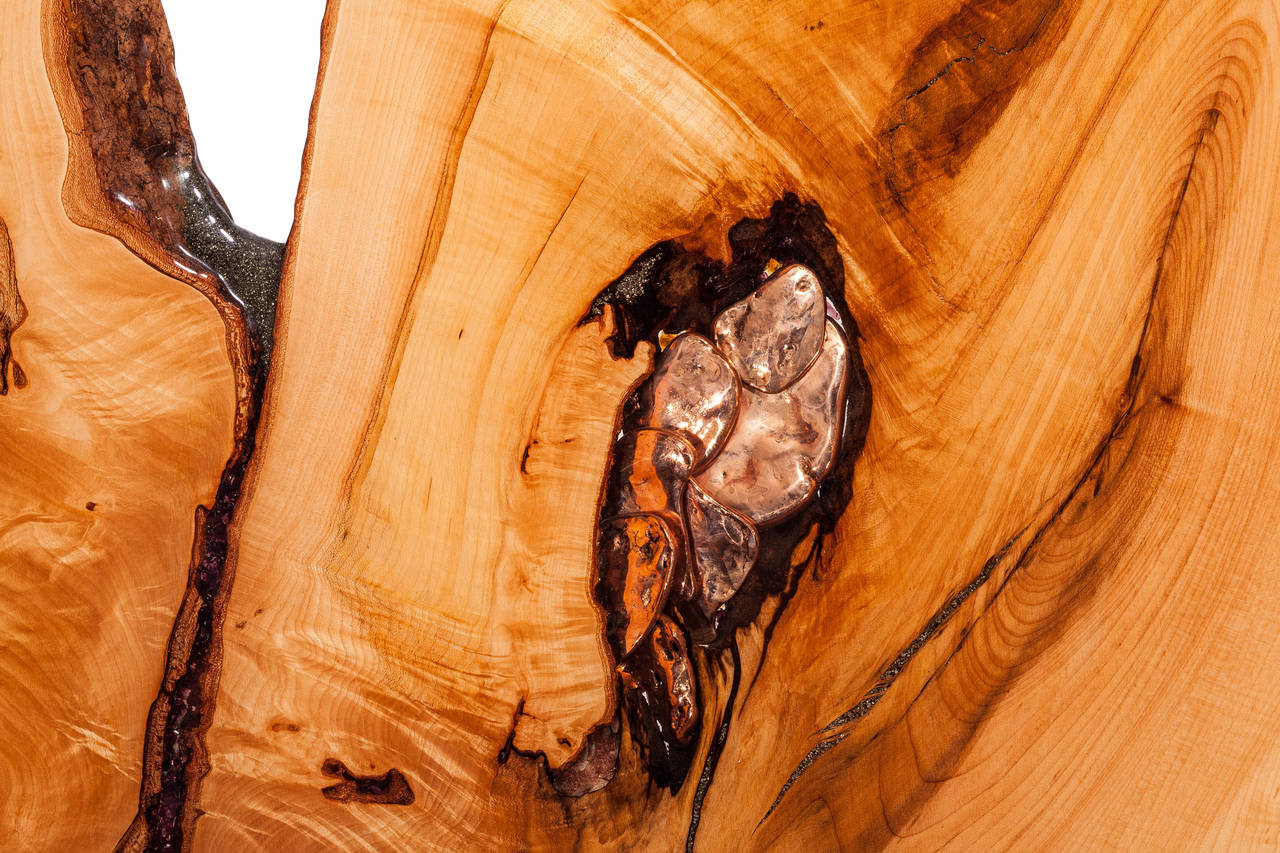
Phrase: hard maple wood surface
pixel 1109 194
pixel 1047 619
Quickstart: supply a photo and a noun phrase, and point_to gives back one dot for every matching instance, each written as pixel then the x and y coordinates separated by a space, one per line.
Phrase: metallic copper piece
pixel 783 443
pixel 660 676
pixel 773 336
pixel 672 656
pixel 693 391
pixel 723 545
pixel 650 468
pixel 636 557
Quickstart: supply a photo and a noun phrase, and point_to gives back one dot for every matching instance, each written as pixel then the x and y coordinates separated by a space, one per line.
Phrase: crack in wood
pixel 891 671
pixel 133 174
pixel 714 751
pixel 1119 425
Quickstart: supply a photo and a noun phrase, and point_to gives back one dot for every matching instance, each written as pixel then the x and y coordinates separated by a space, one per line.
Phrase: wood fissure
pixel 134 174
pixel 1143 406
pixel 13 311
pixel 712 759
pixel 889 674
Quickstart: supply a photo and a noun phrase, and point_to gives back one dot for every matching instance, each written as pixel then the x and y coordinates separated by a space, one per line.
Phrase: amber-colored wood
pixel 1046 619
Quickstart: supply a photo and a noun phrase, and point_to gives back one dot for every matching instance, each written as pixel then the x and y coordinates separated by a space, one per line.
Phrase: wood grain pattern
pixel 1044 620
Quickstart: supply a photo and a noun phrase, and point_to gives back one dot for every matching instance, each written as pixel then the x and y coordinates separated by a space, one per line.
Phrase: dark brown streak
pixel 12 312
pixel 426 259
pixel 714 751
pixel 533 264
pixel 551 233
pixel 133 174
pixel 509 745
pixel 811 559
pixel 817 147
pixel 950 128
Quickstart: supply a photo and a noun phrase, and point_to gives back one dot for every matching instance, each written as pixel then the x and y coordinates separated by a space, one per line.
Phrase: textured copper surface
pixel 773 335
pixel 637 556
pixel 650 470
pixel 723 546
pixel 743 448
pixel 783 443
pixel 660 678
pixel 693 391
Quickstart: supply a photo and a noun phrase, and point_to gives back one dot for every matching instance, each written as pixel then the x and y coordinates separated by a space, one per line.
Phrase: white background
pixel 248 71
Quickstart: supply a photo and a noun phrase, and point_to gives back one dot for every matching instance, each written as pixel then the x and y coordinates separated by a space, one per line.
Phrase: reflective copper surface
pixel 723 545
pixel 782 443
pixel 771 337
pixel 693 391
pixel 661 678
pixel 636 557
pixel 649 471
pixel 732 434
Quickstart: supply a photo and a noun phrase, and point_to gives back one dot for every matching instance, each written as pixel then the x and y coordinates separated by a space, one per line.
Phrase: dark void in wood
pixel 12 313
pixel 391 788
pixel 670 288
